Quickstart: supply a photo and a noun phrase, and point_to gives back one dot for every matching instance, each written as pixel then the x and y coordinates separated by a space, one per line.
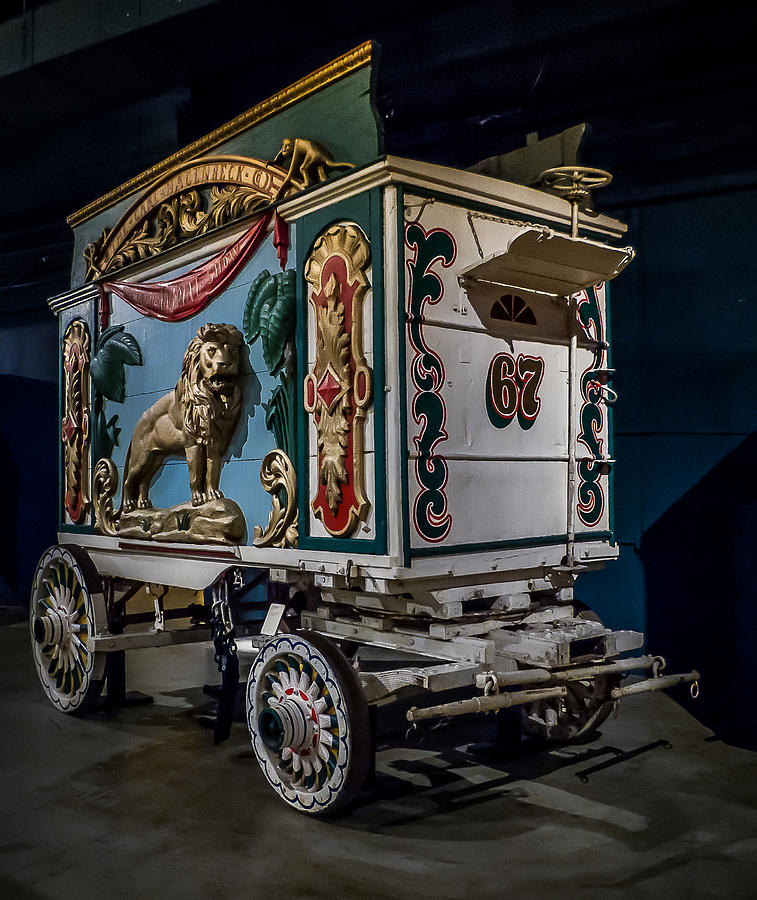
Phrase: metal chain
pixel 221 623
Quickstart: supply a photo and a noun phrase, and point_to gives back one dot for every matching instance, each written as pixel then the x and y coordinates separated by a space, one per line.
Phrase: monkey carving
pixel 309 163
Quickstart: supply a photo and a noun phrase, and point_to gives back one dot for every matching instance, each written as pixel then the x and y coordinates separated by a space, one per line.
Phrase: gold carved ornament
pixel 338 390
pixel 277 474
pixel 75 426
pixel 207 402
pixel 175 209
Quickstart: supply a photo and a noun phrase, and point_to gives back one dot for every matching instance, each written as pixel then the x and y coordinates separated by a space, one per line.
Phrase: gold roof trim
pixel 332 71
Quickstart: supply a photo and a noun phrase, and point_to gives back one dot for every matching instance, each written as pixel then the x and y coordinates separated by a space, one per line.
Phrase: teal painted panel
pixel 617 592
pixel 339 116
pixel 163 345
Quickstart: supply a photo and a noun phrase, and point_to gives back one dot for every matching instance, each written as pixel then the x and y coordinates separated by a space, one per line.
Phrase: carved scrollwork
pixel 338 390
pixel 199 196
pixel 190 200
pixel 104 487
pixel 176 220
pixel 277 475
pixel 75 426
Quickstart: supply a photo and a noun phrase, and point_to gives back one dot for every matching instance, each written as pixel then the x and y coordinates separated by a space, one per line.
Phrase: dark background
pixel 91 93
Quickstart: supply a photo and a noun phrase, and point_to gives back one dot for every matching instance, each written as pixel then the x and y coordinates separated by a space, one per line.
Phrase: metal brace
pixel 157 599
pixel 225 656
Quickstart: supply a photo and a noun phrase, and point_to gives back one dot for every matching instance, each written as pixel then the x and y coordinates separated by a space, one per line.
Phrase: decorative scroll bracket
pixel 277 474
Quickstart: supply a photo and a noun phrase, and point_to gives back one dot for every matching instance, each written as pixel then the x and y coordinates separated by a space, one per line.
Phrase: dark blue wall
pixel 29 428
pixel 684 319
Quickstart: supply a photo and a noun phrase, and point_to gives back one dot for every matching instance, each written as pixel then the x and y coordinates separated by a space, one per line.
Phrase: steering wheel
pixel 574 182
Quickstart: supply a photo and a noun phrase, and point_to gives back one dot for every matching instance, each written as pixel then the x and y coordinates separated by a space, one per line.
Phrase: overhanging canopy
pixel 540 260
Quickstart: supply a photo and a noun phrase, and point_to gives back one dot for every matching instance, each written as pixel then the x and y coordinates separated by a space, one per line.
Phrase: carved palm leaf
pixel 106 434
pixel 115 348
pixel 270 315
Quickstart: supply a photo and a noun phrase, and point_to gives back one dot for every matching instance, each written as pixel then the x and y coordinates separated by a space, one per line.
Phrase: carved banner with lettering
pixel 182 297
pixel 178 207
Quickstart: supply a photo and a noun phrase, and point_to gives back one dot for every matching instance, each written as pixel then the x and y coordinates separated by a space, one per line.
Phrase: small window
pixel 512 308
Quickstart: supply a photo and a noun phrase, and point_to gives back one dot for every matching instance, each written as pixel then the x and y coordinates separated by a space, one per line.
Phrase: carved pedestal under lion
pixel 197 419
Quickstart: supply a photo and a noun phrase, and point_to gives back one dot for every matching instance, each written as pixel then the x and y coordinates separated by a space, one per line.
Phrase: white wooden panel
pixel 492 500
pixel 493 236
pixel 467 358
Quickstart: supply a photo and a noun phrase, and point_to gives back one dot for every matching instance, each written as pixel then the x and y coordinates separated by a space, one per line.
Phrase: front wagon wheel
pixel 585 707
pixel 308 722
pixel 66 607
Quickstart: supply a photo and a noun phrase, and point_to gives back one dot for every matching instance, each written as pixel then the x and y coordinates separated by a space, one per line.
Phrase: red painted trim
pixel 191 552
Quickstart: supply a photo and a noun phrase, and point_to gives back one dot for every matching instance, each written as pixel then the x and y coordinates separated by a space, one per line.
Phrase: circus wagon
pixel 316 399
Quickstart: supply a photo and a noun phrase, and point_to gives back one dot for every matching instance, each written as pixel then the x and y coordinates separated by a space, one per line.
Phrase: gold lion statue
pixel 197 419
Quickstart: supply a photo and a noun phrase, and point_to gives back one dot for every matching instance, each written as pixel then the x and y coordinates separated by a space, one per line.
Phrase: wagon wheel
pixel 66 606
pixel 308 721
pixel 584 708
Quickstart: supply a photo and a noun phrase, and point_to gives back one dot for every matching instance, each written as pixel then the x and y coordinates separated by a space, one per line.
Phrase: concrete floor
pixel 138 803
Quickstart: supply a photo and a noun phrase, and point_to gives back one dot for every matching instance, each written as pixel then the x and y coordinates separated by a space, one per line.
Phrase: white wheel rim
pixel 294 689
pixel 62 627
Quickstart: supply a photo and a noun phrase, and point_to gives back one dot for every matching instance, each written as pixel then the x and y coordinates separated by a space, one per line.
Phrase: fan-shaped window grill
pixel 512 308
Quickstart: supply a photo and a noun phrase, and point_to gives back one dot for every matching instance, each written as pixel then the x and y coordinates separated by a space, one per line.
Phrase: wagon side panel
pixel 164 345
pixel 487 393
pixel 340 407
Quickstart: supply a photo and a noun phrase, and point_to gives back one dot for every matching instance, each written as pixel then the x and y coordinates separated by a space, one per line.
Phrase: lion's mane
pixel 207 416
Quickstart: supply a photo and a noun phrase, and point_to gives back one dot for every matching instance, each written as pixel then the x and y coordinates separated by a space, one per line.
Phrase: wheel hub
pixel 289 724
pixel 53 628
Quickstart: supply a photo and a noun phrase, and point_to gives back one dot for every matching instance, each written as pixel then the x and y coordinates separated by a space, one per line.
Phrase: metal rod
pixel 654 684
pixel 183 613
pixel 574 218
pixel 544 676
pixel 483 704
pixel 572 401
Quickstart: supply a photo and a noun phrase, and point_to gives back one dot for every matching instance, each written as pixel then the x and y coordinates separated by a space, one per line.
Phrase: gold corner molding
pixel 333 71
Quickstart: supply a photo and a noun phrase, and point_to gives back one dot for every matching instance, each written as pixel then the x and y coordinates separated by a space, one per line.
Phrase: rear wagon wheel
pixel 66 606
